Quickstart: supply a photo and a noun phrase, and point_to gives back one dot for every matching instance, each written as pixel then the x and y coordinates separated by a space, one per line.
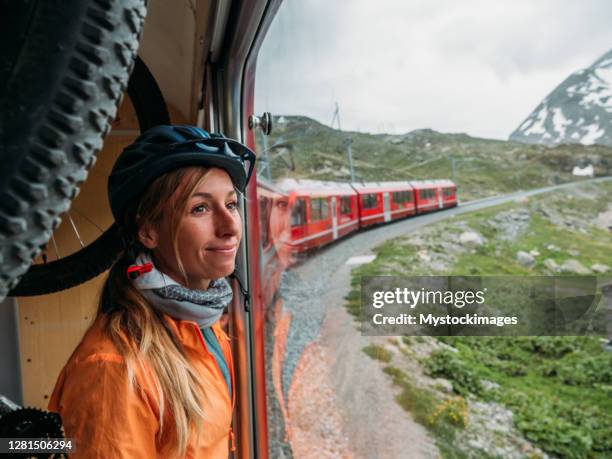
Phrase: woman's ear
pixel 148 236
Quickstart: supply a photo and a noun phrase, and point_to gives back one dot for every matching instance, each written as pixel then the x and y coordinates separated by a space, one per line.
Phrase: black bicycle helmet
pixel 164 148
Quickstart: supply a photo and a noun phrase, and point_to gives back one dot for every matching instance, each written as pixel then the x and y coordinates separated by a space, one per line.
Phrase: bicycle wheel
pixel 65 67
pixel 97 257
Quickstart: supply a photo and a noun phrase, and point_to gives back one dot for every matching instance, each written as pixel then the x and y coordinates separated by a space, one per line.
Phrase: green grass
pixel 566 417
pixel 558 388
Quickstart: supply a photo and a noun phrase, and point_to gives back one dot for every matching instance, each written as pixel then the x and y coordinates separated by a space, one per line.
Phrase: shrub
pixel 446 364
pixel 378 353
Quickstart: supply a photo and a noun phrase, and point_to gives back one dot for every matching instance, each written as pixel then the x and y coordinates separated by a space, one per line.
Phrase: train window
pixel 319 209
pixel 401 197
pixel 298 213
pixel 345 205
pixel 369 201
pixel 427 194
pixel 323 73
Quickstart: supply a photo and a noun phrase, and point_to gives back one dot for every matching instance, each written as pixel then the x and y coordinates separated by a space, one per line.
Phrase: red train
pixel 305 214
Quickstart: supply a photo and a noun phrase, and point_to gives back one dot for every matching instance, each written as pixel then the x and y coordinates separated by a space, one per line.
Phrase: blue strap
pixel 212 343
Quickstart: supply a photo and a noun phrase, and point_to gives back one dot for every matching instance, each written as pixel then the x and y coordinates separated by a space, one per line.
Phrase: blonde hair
pixel 139 331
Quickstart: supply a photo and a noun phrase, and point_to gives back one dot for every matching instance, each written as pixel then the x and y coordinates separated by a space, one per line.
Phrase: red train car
pixel 447 190
pixel 321 212
pixel 426 195
pixel 381 202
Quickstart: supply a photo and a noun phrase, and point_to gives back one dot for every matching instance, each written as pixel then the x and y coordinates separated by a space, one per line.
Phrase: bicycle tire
pixel 97 257
pixel 59 94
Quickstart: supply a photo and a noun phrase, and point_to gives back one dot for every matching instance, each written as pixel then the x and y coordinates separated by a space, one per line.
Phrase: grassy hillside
pixel 482 167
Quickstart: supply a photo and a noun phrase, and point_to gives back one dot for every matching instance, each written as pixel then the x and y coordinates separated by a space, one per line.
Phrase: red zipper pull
pixel 134 271
pixel 232 440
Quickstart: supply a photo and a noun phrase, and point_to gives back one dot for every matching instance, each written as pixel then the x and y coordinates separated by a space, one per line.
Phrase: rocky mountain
pixel 579 110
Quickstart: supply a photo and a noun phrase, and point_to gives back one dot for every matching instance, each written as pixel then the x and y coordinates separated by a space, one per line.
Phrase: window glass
pixel 298 214
pixel 345 205
pixel 319 209
pixel 369 201
pixel 497 97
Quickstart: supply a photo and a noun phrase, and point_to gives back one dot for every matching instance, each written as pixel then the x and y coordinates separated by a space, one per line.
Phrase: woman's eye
pixel 199 209
pixel 232 205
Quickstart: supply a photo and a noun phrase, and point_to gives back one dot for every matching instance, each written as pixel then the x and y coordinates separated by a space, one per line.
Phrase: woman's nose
pixel 226 222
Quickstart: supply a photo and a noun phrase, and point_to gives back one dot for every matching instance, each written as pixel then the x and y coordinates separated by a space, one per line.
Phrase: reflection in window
pixel 298 214
pixel 264 215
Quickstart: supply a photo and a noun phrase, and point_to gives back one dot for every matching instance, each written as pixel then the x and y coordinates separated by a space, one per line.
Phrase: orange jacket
pixel 109 420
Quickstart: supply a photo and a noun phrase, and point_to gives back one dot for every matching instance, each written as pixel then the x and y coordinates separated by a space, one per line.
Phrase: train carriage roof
pixel 428 184
pixel 373 187
pixel 307 187
pixel 268 189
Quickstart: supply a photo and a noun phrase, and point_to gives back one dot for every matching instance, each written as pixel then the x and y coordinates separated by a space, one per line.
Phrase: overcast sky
pixel 473 66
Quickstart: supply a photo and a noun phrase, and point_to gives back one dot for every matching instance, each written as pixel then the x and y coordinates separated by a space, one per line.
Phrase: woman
pixel 153 375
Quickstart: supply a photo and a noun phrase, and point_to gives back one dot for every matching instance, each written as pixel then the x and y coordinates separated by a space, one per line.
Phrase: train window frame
pixel 401 197
pixel 319 209
pixel 298 213
pixel 345 205
pixel 369 201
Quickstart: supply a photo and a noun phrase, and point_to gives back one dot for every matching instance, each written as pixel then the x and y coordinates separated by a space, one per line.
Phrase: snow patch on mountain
pixel 579 110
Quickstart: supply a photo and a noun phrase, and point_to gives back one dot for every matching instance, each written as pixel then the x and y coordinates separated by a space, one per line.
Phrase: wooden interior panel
pixel 50 326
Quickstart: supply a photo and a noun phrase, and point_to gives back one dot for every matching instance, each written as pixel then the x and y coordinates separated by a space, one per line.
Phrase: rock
pixel 574 266
pixel 600 268
pixel 444 385
pixel 551 265
pixel 534 253
pixel 574 252
pixel 552 248
pixel 604 220
pixel 471 239
pixel 489 385
pixel 525 259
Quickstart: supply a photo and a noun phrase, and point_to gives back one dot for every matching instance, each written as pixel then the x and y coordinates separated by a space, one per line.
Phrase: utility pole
pixel 336 116
pixel 349 150
pixel 453 174
pixel 349 141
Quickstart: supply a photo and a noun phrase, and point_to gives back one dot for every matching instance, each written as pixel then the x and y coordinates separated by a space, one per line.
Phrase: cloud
pixel 472 66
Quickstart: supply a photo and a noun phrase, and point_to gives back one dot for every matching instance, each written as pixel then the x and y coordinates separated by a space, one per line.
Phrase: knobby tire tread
pixel 49 143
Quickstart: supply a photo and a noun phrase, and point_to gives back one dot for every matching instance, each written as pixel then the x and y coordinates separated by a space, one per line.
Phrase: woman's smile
pixel 223 249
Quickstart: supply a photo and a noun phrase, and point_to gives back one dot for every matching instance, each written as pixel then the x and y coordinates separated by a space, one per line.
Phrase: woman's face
pixel 208 234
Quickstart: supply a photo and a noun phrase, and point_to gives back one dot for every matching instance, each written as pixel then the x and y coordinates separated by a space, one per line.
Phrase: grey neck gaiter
pixel 204 307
